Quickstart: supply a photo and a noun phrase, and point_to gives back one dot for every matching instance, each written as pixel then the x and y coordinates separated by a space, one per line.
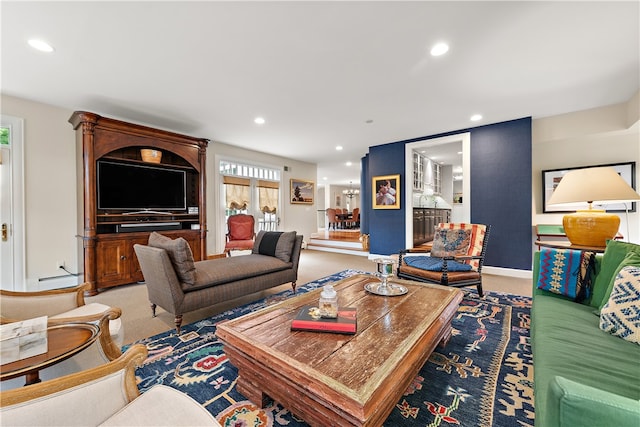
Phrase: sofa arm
pixel 84 398
pixel 573 404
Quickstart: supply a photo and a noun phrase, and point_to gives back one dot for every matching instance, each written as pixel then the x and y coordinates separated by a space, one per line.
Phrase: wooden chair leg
pixel 178 322
pixel 153 310
pixel 479 287
pixel 293 286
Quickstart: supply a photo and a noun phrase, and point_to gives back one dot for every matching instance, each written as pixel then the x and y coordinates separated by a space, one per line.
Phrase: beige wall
pixel 50 192
pixel 608 134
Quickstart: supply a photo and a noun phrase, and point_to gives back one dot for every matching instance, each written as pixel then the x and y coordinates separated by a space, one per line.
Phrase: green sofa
pixel 583 376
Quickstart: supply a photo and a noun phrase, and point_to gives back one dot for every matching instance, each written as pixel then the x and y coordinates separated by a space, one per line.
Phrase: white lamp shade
pixel 601 185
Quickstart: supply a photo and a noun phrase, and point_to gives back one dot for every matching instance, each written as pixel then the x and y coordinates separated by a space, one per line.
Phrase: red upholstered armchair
pixel 240 233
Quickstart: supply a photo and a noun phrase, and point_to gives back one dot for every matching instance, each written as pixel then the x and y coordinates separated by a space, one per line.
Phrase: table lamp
pixel 601 185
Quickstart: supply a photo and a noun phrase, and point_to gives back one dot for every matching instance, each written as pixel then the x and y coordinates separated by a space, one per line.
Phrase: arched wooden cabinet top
pixel 112 135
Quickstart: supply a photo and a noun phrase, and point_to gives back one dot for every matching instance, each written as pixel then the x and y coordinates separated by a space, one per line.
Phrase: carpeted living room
pixel 471 381
pixel 436 204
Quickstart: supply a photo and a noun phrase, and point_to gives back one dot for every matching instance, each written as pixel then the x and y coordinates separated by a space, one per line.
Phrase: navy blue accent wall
pixel 365 184
pixel 386 226
pixel 500 192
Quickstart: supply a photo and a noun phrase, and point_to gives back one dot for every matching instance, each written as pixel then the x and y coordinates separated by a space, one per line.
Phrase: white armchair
pixel 62 306
pixel 65 305
pixel 103 396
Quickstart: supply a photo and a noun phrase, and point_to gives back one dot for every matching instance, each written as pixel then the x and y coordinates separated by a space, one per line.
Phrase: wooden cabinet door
pixel 111 266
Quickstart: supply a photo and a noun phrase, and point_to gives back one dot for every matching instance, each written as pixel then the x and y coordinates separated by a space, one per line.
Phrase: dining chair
pixel 355 218
pixel 332 219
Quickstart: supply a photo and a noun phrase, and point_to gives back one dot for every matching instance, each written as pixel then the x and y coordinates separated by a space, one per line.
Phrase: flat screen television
pixel 132 187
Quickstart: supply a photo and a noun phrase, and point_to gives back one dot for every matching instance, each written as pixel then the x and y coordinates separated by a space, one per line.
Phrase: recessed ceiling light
pixel 348 163
pixel 325 178
pixel 476 117
pixel 439 49
pixel 40 45
pixel 338 147
pixel 369 121
pixel 459 152
pixel 259 120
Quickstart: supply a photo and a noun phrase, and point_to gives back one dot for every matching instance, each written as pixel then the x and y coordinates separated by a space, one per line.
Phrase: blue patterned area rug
pixel 483 377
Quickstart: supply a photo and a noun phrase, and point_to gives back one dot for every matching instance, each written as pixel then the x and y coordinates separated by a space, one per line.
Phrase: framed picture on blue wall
pixel 386 192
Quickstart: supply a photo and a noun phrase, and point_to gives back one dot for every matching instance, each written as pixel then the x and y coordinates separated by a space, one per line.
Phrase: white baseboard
pixel 509 272
pixel 56 283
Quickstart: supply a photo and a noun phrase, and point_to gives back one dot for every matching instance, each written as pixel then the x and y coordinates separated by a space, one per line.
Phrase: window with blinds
pixel 251 190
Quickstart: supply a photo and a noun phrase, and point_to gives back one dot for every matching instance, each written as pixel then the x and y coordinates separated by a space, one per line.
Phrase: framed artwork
pixel 551 178
pixel 386 192
pixel 301 192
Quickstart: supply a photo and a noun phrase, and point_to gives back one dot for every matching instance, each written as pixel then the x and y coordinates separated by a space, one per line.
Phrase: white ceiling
pixel 318 71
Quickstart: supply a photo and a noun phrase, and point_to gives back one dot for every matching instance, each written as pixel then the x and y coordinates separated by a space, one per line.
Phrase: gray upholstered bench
pixel 179 285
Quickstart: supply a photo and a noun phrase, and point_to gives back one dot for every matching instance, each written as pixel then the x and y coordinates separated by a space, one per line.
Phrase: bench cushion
pixel 218 271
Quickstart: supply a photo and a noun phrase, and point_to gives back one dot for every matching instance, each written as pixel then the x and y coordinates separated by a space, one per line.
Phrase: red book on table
pixel 308 320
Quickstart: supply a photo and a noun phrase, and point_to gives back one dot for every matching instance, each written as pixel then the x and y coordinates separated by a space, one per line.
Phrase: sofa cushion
pixel 430 263
pixel 162 405
pixel 275 243
pixel 613 256
pixel 630 259
pixel 179 253
pixel 620 316
pixel 568 342
pixel 219 271
pixel 450 242
pixel 566 272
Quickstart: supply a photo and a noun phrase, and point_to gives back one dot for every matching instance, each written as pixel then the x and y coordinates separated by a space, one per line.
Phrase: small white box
pixel 20 340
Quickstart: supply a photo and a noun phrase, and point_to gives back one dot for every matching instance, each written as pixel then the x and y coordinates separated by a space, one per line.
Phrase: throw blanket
pixel 566 272
pixel 434 264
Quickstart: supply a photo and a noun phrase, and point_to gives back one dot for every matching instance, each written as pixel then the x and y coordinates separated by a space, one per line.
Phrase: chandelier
pixel 351 192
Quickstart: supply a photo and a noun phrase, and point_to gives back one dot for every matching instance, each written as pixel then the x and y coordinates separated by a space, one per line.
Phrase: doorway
pixel 12 274
pixel 460 200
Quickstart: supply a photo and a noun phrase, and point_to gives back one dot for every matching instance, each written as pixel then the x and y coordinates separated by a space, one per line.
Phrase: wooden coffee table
pixel 335 379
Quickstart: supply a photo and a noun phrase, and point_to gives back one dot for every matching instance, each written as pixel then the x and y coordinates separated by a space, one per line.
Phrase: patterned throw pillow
pixel 448 243
pixel 566 272
pixel 620 316
pixel 478 234
pixel 180 255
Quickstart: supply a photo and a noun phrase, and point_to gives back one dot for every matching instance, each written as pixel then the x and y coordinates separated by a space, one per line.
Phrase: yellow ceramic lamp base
pixel 592 227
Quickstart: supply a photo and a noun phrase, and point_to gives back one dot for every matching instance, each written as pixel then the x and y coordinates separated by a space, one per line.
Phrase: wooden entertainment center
pixel 108 234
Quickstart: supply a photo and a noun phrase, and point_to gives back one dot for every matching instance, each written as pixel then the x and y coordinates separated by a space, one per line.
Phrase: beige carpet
pixel 136 313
